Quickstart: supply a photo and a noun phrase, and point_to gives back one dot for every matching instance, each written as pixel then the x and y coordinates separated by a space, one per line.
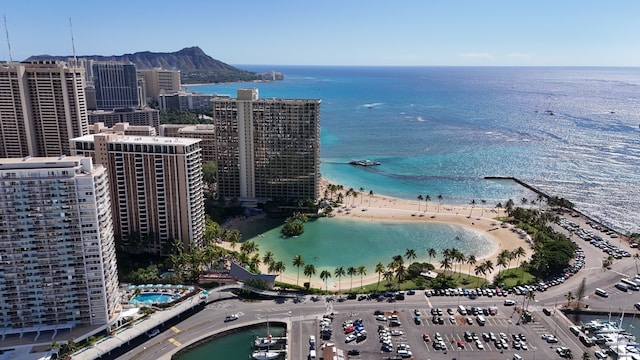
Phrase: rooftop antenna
pixel 6 32
pixel 73 46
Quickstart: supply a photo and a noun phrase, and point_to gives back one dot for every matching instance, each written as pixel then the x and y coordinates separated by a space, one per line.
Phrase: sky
pixel 335 32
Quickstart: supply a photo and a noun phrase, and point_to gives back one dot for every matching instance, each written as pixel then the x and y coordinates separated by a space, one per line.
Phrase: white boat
pixel 263 342
pixel 264 355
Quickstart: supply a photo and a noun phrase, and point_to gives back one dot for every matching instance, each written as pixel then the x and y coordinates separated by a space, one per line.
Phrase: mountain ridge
pixel 194 64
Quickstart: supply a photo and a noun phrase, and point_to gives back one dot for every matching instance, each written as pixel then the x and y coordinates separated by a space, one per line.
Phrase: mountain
pixel 195 66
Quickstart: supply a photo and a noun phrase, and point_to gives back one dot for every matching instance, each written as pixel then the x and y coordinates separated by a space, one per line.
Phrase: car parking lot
pixel 395 333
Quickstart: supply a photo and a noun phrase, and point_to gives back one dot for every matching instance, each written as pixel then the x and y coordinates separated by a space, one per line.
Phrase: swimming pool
pixel 152 298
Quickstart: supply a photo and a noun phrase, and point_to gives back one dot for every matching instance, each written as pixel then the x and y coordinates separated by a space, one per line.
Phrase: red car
pixel 425 337
pixel 460 344
pixel 349 329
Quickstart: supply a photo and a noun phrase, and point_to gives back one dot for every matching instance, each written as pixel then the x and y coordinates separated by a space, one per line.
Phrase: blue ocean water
pixel 571 132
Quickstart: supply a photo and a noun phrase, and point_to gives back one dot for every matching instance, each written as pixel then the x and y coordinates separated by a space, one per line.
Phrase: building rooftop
pixel 148 140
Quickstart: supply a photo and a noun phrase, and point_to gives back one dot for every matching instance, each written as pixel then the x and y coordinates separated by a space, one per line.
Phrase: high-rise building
pixel 116 85
pixel 57 252
pixel 42 106
pixel 205 132
pixel 267 148
pixel 157 188
pixel 184 100
pixel 123 129
pixel 137 117
pixel 160 81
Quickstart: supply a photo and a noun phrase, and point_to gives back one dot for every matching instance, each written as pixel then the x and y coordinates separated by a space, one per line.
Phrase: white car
pixel 381 318
pixel 349 338
pixel 600 355
pixel 396 333
pixel 479 344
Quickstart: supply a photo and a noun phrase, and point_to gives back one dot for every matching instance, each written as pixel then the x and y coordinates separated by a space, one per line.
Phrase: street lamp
pixel 534 352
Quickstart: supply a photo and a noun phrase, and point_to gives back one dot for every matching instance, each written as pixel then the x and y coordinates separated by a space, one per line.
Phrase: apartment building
pixel 116 85
pixel 267 148
pixel 56 245
pixel 160 81
pixel 204 132
pixel 42 106
pixel 137 117
pixel 157 187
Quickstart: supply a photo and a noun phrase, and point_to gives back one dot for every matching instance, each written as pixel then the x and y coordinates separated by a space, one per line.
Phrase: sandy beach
pixel 374 207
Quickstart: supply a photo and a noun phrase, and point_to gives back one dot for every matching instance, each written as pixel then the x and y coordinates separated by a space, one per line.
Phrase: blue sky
pixel 331 32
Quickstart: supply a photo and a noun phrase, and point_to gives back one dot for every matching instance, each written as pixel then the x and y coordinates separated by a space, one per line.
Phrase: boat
pixel 364 162
pixel 263 342
pixel 264 355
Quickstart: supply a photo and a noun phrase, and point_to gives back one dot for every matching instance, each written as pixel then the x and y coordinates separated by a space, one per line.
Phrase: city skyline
pixel 410 33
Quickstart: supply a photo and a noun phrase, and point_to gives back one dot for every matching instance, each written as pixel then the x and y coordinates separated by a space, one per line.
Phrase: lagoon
pixel 328 243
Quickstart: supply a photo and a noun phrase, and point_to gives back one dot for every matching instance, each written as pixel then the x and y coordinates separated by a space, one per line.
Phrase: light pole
pixel 534 352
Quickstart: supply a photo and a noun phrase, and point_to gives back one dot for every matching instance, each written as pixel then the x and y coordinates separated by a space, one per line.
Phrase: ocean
pixel 570 132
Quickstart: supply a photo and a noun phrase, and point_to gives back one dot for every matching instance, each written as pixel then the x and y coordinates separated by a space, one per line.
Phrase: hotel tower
pixel 267 148
pixel 57 251
pixel 42 106
pixel 157 188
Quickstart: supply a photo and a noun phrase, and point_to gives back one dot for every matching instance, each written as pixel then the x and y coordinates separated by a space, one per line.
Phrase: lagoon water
pixel 571 132
pixel 331 243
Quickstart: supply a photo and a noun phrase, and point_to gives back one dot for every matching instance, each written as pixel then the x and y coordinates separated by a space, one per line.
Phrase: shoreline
pixel 389 209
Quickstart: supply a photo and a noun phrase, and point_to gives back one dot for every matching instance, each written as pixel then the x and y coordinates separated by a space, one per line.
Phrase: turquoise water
pixel 328 243
pixel 236 345
pixel 441 130
pixel 152 298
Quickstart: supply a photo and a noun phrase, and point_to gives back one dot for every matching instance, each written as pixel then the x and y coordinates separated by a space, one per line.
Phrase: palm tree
pixel 379 270
pixel 568 354
pixel 279 267
pixel 339 273
pixel 524 201
pixel 388 276
pixel 370 195
pixel 471 260
pixel 351 271
pixel 410 254
pixel 586 355
pixel 439 201
pixel 488 265
pixel 325 275
pixel 484 202
pixel 508 207
pixel 362 271
pixel 361 192
pixel 479 270
pixel 298 261
pixel 569 296
pixel 419 200
pixel 445 264
pixel 530 296
pixel 427 198
pixel 309 271
pixel 401 272
pixel 636 257
pixel 432 253
pixel 268 259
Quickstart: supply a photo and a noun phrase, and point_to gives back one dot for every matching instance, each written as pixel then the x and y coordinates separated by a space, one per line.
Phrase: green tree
pixel 569 296
pixel 419 201
pixel 298 261
pixel 471 260
pixel 362 271
pixel 209 172
pixel 325 275
pixel 309 271
pixel 268 258
pixel 439 201
pixel 351 271
pixel 279 268
pixel 339 273
pixel 427 198
pixel 380 271
pixel 586 355
pixel 410 254
pixel 432 253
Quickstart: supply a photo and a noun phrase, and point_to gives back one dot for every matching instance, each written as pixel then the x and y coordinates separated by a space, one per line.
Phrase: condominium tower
pixel 42 106
pixel 157 188
pixel 267 148
pixel 116 85
pixel 56 245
